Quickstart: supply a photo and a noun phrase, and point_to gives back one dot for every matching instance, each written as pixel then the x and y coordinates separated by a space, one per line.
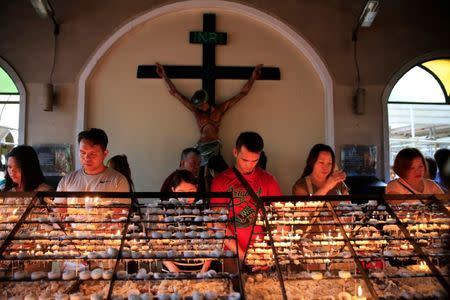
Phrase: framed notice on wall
pixel 55 159
pixel 359 160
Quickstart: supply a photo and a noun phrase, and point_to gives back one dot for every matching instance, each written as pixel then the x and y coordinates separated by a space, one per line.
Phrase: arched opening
pixel 10 115
pixel 418 108
pixel 116 49
pixel 301 44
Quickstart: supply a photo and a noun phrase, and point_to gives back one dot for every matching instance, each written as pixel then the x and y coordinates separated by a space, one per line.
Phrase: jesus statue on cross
pixel 208 116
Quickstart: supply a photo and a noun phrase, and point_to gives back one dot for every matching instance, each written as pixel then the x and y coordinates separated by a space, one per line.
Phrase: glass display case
pixel 115 245
pixel 350 247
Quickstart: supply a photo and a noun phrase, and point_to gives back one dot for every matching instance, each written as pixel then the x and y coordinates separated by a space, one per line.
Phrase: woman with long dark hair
pixel 319 175
pixel 23 172
pixel 121 165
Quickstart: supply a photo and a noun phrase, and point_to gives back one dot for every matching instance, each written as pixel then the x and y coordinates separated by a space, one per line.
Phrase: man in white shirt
pixel 94 176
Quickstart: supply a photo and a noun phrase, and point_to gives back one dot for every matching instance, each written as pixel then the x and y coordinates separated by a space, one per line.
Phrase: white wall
pixel 146 123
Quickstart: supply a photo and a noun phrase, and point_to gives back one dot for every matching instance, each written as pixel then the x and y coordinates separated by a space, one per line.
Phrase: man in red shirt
pixel 249 146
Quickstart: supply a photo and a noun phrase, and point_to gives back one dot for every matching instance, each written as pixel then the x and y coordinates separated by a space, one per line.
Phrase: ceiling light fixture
pixel 369 13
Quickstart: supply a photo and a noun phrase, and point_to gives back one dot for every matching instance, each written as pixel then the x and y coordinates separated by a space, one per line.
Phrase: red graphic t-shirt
pixel 263 183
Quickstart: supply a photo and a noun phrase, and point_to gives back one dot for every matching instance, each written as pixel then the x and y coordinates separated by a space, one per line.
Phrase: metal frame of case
pixel 330 214
pixel 66 233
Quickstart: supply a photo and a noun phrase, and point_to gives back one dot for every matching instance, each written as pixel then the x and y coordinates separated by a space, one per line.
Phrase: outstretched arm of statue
pixel 172 89
pixel 244 91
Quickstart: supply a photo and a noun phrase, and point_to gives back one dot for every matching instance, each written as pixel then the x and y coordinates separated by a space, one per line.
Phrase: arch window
pixel 419 109
pixel 9 115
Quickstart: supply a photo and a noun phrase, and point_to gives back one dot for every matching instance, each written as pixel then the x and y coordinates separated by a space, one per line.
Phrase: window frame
pixel 22 98
pixel 418 61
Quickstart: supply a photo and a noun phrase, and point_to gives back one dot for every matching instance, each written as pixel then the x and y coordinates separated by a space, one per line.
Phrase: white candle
pixel 359 294
pixel 423 266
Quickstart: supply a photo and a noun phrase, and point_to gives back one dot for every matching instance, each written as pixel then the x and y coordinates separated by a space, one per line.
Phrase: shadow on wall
pixel 52 181
pixel 367 185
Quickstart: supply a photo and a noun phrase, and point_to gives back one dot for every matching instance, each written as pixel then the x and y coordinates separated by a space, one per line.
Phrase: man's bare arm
pixel 229 243
pixel 172 89
pixel 244 91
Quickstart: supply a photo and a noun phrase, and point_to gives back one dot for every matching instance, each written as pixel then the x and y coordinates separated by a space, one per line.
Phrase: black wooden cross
pixel 208 72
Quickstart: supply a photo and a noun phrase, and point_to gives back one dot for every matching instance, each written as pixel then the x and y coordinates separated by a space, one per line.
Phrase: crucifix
pixel 203 102
pixel 208 72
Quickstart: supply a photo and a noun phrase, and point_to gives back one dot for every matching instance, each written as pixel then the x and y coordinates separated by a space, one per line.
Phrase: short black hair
pixel 186 152
pixel 251 140
pixel 96 136
pixel 432 167
pixel 442 156
pixel 181 175
pixel 28 162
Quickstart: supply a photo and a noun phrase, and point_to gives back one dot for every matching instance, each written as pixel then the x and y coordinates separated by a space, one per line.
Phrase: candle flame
pixel 359 291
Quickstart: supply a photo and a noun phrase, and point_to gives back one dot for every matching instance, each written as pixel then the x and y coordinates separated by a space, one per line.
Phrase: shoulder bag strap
pixel 406 187
pixel 247 186
pixel 309 186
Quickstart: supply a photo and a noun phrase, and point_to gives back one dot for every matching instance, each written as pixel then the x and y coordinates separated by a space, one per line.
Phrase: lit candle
pixel 359 295
pixel 423 266
pixel 327 260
